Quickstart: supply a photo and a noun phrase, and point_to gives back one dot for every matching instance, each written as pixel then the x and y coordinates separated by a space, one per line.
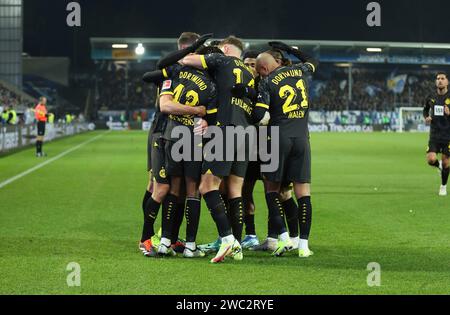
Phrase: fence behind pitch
pixel 15 137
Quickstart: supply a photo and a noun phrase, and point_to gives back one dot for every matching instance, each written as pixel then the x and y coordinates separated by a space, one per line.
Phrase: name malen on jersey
pixel 296 114
pixel 239 102
pixel 286 74
pixel 194 78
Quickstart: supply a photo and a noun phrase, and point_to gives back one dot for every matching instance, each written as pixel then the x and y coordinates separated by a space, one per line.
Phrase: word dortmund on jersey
pixel 229 71
pixel 189 87
pixel 284 94
pixel 440 123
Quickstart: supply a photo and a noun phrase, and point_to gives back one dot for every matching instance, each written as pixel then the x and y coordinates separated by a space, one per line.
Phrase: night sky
pixel 46 32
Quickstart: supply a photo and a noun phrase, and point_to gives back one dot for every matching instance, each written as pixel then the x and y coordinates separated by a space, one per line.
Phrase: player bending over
pixel 283 92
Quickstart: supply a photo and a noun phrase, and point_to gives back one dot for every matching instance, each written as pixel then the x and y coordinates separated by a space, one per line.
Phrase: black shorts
pixel 253 171
pixel 41 128
pixel 157 158
pixel 294 162
pixel 236 165
pixel 191 167
pixel 225 168
pixel 439 147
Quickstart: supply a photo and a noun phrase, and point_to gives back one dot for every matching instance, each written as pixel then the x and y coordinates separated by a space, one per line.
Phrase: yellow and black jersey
pixel 190 87
pixel 435 106
pixel 284 93
pixel 229 71
pixel 160 119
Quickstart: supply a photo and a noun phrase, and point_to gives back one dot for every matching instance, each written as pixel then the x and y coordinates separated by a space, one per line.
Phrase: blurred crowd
pixel 15 111
pixel 9 98
pixel 114 84
pixel 370 90
pixel 370 93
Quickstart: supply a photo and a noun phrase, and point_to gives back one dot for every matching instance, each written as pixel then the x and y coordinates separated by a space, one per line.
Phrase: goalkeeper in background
pixel 437 113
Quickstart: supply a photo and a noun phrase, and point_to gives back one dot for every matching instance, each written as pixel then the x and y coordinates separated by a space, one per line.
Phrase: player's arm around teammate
pixel 287 102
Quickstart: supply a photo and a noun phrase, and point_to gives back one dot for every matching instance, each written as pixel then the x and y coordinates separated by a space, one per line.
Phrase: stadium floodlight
pixel 343 65
pixel 140 49
pixel 119 46
pixel 374 50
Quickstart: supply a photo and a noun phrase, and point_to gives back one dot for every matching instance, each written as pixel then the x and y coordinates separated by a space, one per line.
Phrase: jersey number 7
pixel 239 77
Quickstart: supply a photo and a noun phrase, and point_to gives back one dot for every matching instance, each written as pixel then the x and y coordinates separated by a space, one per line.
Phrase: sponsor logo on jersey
pixel 167 84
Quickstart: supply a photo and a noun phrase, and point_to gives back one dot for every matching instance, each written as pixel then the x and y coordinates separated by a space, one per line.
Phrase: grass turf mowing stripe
pixel 35 168
pixel 374 200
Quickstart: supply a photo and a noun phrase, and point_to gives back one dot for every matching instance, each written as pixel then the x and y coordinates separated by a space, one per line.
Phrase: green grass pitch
pixel 374 200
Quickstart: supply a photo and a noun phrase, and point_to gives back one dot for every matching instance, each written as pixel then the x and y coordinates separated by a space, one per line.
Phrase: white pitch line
pixel 35 168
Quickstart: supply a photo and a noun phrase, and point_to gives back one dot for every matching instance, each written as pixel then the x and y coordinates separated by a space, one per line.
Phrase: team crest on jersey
pixel 167 84
pixel 162 173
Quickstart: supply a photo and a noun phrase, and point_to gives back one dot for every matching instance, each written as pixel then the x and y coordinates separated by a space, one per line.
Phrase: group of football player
pixel 222 85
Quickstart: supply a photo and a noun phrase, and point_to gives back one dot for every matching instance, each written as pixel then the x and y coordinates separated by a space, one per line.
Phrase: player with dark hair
pixel 190 88
pixel 249 58
pixel 439 119
pixel 228 69
pixel 253 172
pixel 187 39
pixel 158 185
pixel 283 92
pixel 40 112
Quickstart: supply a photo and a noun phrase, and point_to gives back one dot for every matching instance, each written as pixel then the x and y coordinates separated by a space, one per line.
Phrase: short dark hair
pixel 188 38
pixel 278 55
pixel 253 54
pixel 214 43
pixel 441 73
pixel 232 40
pixel 206 50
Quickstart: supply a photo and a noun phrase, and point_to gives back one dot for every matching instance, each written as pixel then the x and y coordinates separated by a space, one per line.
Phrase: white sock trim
pixel 191 245
pixel 166 241
pixel 303 244
pixel 229 239
pixel 284 237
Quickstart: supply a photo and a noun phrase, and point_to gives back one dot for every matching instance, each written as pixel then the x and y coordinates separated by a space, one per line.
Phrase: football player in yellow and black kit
pixel 436 112
pixel 227 70
pixel 188 88
pixel 283 92
pixel 158 185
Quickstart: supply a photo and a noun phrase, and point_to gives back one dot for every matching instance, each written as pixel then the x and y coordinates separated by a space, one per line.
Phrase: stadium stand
pixel 10 97
pixel 350 78
pixel 369 91
pixel 118 88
